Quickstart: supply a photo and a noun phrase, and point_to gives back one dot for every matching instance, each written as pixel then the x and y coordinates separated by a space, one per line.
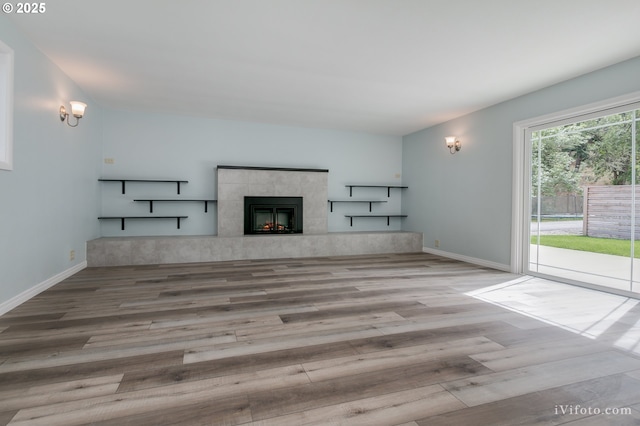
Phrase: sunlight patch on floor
pixel 598 315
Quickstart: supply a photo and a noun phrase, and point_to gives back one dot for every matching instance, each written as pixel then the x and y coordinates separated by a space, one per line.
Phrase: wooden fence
pixel 607 212
pixel 558 205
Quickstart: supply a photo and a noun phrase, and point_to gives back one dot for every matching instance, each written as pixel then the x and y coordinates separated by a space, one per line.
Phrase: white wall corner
pixel 472 260
pixel 39 288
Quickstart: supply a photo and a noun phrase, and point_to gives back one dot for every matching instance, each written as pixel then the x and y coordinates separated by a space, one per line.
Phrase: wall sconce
pixel 453 144
pixel 77 110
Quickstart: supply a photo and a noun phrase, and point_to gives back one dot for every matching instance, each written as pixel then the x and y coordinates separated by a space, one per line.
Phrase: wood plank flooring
pixel 354 340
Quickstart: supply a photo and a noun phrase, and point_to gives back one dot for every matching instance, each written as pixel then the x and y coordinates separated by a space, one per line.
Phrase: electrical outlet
pixel 72 255
pixel 437 243
pixel 398 175
pixel 109 161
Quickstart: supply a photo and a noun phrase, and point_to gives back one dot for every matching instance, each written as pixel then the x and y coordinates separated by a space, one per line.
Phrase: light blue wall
pixel 464 200
pixel 145 145
pixel 49 201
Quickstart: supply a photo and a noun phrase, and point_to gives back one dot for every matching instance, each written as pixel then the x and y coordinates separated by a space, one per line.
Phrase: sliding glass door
pixel 635 248
pixel 584 199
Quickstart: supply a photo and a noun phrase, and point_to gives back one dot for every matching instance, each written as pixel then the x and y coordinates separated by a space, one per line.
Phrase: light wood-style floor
pixel 359 340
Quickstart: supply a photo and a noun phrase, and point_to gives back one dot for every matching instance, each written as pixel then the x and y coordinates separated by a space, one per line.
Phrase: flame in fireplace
pixel 270 226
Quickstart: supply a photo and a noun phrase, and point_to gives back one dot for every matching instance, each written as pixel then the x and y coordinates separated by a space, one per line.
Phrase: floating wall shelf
pixel 123 218
pixel 354 201
pixel 388 216
pixel 206 202
pixel 375 186
pixel 123 181
pixel 370 202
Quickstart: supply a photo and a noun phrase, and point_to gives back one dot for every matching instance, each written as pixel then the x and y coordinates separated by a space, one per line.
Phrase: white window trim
pixel 521 166
pixel 6 107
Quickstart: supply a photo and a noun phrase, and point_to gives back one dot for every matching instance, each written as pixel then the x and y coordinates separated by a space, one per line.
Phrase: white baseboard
pixel 39 288
pixel 473 260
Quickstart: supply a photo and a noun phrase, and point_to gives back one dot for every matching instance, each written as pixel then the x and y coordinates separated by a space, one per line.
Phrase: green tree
pixel 586 152
pixel 603 146
pixel 610 153
pixel 555 173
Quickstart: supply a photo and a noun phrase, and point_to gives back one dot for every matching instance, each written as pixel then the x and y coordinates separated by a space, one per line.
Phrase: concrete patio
pixel 593 268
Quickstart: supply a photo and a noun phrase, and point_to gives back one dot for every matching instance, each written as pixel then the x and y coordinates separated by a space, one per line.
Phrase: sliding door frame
pixel 521 202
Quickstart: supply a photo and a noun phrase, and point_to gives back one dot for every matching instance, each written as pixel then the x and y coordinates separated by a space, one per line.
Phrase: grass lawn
pixel 595 245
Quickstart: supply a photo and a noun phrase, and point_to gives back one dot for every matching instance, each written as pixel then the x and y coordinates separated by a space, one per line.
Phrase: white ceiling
pixel 380 66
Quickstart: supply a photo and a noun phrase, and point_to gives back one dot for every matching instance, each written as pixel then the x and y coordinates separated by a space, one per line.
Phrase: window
pixel 6 107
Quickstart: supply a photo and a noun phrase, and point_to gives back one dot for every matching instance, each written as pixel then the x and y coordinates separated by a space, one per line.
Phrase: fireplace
pixel 272 215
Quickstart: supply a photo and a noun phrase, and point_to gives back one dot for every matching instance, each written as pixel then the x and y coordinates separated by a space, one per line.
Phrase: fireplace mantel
pixel 282 169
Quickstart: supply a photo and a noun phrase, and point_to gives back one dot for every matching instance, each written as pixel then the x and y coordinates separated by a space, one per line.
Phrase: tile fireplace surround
pixel 234 183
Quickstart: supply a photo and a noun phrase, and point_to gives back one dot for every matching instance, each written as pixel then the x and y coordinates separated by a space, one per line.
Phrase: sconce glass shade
pixel 77 108
pixel 453 144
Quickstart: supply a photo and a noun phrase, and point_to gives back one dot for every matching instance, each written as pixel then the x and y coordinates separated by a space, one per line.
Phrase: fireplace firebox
pixel 272 215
